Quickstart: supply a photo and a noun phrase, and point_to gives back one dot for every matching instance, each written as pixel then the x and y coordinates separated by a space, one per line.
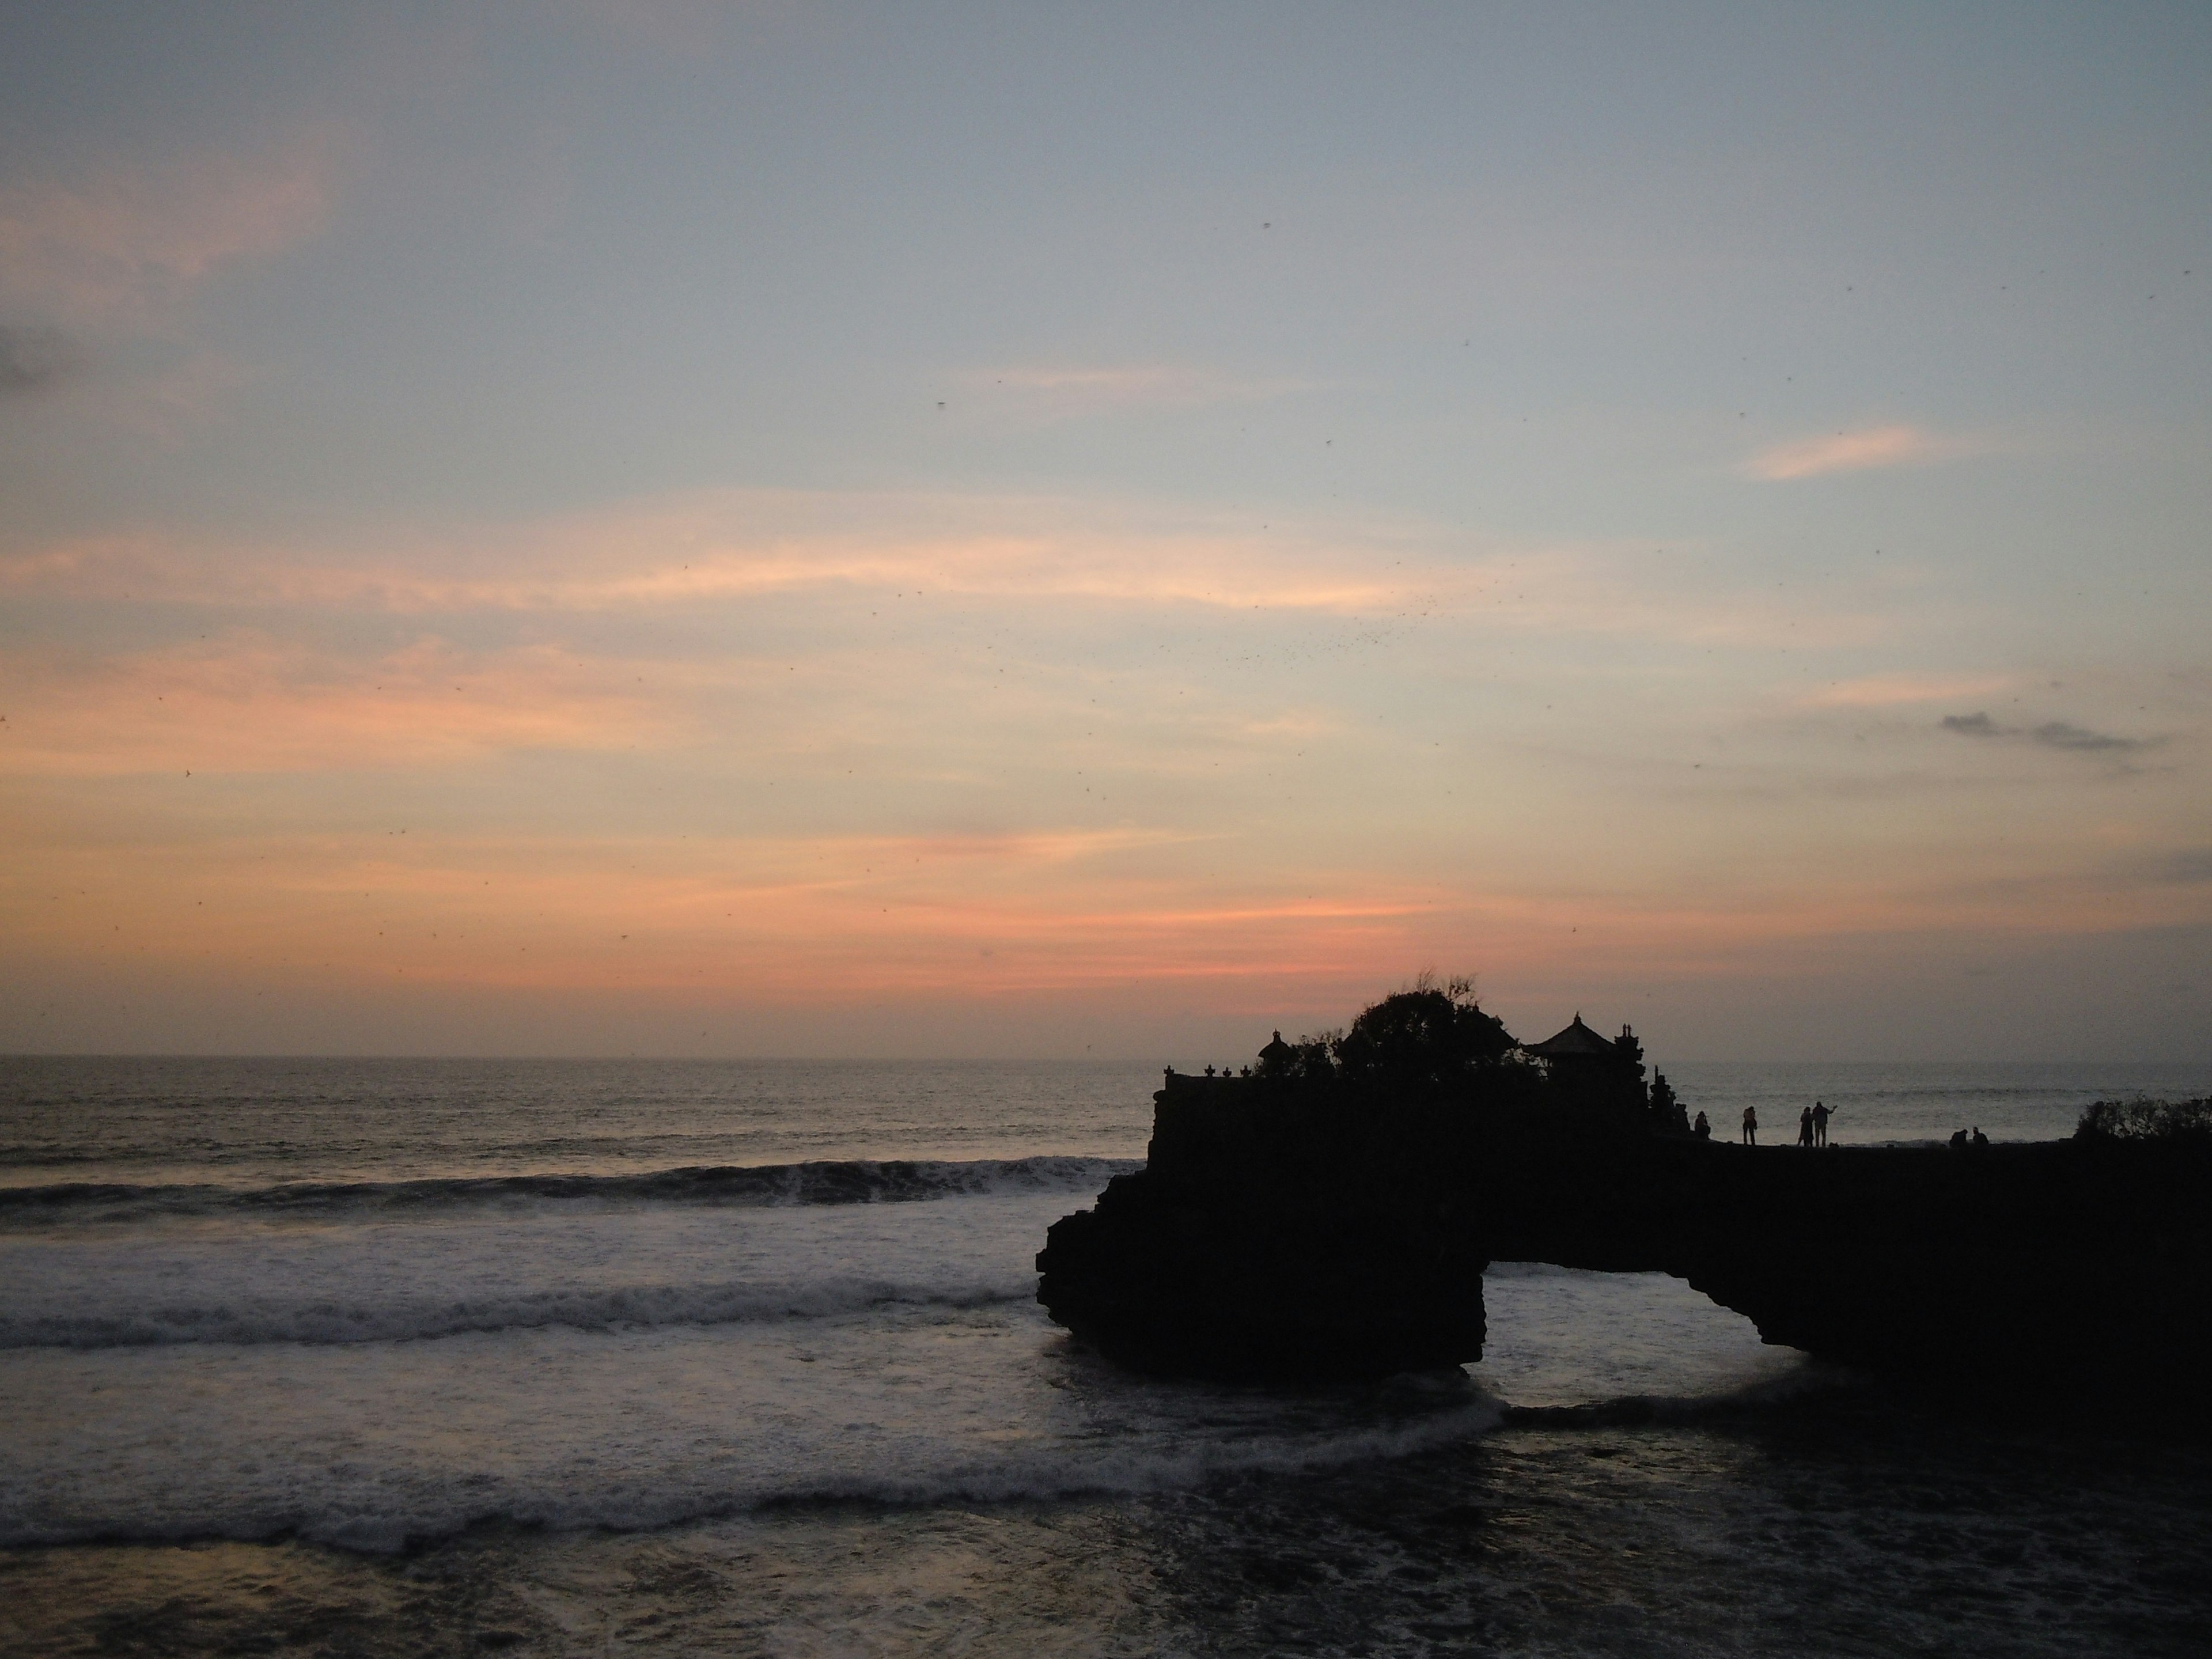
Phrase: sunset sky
pixel 974 529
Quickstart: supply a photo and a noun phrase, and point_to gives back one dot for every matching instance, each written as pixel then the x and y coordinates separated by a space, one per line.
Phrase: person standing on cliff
pixel 1805 1128
pixel 1702 1129
pixel 1751 1126
pixel 1820 1117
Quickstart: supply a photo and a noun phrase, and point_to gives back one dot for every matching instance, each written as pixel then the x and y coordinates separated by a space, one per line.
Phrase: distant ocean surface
pixel 570 1357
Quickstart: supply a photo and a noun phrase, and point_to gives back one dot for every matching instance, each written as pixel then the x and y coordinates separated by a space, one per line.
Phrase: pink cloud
pixel 718 546
pixel 248 704
pixel 1850 451
pixel 1892 691
pixel 798 921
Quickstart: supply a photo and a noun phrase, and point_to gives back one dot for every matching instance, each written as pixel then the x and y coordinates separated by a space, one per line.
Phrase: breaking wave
pixel 340 1509
pixel 853 1181
pixel 643 1307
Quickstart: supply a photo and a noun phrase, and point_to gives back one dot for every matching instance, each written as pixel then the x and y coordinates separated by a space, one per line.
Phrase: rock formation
pixel 1303 1223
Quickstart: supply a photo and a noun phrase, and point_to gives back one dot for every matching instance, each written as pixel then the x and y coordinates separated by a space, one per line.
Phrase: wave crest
pixel 848 1181
pixel 324 1323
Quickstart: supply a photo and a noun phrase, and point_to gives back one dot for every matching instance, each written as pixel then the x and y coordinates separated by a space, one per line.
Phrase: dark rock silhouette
pixel 1330 1217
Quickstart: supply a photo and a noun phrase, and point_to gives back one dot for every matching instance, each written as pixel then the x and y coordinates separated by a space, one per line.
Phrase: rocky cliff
pixel 1281 1230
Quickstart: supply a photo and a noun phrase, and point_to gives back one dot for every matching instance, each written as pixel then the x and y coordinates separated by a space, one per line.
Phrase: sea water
pixel 583 1357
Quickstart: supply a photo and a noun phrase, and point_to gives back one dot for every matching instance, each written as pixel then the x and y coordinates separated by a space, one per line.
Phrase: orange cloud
pixel 786 919
pixel 1850 451
pixel 797 922
pixel 248 704
pixel 716 546
pixel 1891 690
pixel 705 549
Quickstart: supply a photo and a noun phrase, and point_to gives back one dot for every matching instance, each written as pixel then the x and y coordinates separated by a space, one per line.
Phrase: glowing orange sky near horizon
pixel 938 801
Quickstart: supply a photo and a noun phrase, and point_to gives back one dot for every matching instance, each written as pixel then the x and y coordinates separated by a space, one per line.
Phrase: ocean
pixel 385 1356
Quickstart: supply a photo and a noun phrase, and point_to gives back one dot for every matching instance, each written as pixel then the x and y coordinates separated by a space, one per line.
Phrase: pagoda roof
pixel 1576 1039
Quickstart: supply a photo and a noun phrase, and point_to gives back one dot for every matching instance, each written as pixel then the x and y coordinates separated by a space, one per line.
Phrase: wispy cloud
pixel 2192 866
pixel 684 555
pixel 1974 726
pixel 2051 734
pixel 119 248
pixel 1891 690
pixel 2059 734
pixel 1854 450
pixel 718 547
pixel 799 920
pixel 32 359
pixel 247 703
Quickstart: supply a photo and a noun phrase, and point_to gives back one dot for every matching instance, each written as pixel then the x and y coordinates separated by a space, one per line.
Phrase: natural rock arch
pixel 1285 1231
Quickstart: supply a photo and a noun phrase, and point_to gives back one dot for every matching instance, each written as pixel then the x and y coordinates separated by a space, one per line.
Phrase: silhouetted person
pixel 1702 1129
pixel 1805 1128
pixel 1820 1117
pixel 1980 1139
pixel 1958 1138
pixel 1751 1126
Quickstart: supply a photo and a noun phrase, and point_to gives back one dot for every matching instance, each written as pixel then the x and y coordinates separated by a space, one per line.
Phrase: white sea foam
pixel 1562 1336
pixel 566 1429
pixel 840 1180
pixel 955 1386
pixel 367 1362
pixel 617 1307
pixel 260 1280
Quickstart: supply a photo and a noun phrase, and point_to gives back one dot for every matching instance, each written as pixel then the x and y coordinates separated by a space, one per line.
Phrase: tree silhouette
pixel 1431 1036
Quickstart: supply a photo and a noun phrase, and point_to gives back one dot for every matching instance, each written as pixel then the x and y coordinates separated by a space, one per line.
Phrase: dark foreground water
pixel 380 1358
